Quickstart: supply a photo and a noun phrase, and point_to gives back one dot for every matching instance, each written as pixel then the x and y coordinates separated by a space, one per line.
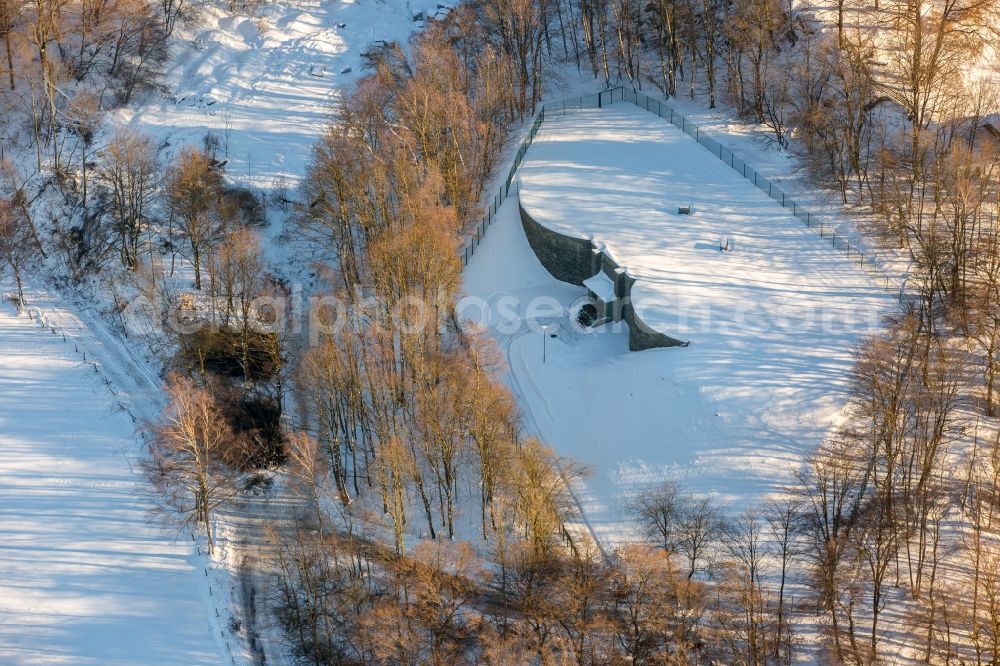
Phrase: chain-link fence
pixel 865 260
pixel 476 237
pixel 594 101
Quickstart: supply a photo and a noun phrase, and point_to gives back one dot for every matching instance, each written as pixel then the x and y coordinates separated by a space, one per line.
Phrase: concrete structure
pixel 588 264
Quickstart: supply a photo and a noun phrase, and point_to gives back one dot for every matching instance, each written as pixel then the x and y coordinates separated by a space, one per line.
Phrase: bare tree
pixel 832 486
pixel 237 266
pixel 84 115
pixel 658 512
pixel 17 244
pixel 745 618
pixel 174 11
pixel 700 526
pixel 129 170
pixel 194 184
pixel 783 526
pixel 9 10
pixel 186 455
pixel 309 469
pixel 648 616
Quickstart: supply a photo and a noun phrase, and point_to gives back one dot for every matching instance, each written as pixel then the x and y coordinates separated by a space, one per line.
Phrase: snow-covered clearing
pixel 266 85
pixel 773 323
pixel 85 577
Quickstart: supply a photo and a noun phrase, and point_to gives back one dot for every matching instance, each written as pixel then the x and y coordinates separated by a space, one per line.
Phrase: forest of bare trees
pixel 393 426
pixel 883 546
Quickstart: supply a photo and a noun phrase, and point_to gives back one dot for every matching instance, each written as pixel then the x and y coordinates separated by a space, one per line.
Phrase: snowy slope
pixel 266 86
pixel 772 323
pixel 85 577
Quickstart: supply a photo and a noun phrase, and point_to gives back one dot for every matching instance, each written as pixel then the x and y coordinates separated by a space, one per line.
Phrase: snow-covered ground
pixel 85 576
pixel 266 85
pixel 773 323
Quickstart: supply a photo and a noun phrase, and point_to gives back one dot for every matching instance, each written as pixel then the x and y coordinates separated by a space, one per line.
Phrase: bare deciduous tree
pixel 186 452
pixel 129 171
pixel 17 244
pixel 194 184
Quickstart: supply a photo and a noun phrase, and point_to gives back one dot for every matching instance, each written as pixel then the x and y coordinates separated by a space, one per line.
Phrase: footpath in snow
pixel 773 323
pixel 85 576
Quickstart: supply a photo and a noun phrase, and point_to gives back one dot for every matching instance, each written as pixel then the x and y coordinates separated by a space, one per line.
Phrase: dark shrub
pixel 217 350
pixel 256 422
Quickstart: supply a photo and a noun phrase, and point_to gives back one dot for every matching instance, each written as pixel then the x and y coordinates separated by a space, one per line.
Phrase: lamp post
pixel 545 334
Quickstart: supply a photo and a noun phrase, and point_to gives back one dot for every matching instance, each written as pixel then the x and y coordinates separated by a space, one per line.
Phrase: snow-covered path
pixel 85 578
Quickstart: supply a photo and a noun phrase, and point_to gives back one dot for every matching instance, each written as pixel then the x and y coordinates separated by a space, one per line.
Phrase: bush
pixel 249 207
pixel 218 350
pixel 255 421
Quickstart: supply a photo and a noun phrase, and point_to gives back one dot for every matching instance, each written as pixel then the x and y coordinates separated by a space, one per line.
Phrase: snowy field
pixel 266 86
pixel 772 323
pixel 85 578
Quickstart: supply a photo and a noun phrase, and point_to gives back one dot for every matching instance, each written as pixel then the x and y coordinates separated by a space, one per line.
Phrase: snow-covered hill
pixel 85 576
pixel 266 85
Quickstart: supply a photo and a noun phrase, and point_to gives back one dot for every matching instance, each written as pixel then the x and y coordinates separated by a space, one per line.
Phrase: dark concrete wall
pixel 574 260
pixel 641 336
pixel 566 258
